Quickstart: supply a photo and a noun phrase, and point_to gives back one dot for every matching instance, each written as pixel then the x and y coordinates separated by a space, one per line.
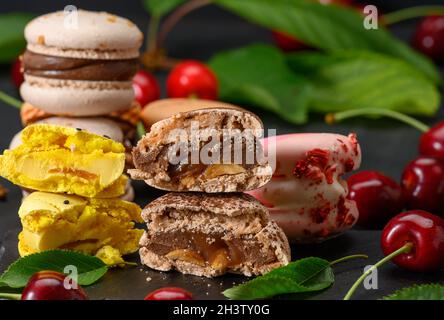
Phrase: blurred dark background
pixel 222 29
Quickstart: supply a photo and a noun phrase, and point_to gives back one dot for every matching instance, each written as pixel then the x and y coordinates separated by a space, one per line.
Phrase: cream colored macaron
pixel 80 64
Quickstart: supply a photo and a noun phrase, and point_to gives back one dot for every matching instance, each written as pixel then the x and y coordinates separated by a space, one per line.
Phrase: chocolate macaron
pixel 208 150
pixel 84 69
pixel 212 234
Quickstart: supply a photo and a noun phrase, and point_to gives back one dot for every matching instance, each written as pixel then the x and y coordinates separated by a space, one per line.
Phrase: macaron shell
pixel 100 126
pixel 99 34
pixel 77 98
pixel 165 108
pixel 304 230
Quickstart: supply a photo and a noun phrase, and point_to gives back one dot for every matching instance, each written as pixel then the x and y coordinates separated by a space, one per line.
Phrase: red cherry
pixel 377 196
pixel 17 72
pixel 424 231
pixel 423 184
pixel 287 42
pixel 432 142
pixel 429 37
pixel 192 78
pixel 49 285
pixel 169 293
pixel 414 240
pixel 146 88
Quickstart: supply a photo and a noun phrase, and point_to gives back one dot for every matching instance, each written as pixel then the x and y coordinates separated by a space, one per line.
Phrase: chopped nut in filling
pixel 209 250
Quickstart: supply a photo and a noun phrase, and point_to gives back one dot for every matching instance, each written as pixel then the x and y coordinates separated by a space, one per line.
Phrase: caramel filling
pixel 188 173
pixel 208 250
pixel 78 69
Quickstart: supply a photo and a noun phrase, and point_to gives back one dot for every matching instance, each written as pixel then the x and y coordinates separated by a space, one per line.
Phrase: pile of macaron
pixel 80 75
pixel 75 179
pixel 206 225
pixel 80 122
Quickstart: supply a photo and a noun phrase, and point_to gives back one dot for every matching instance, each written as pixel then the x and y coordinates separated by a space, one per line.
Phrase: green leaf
pixel 159 8
pixel 331 28
pixel 357 79
pixel 258 75
pixel 419 292
pixel 302 276
pixel 12 40
pixel 90 269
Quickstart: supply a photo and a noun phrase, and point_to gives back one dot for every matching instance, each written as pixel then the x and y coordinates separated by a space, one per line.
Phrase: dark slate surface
pixel 387 146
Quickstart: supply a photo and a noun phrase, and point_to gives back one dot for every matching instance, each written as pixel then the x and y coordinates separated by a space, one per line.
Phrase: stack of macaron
pixel 307 195
pixel 76 178
pixel 78 73
pixel 206 225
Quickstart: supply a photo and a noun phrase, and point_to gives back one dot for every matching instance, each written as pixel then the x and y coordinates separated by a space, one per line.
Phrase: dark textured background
pixel 387 146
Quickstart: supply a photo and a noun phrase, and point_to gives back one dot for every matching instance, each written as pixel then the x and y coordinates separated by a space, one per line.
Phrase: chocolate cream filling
pixel 78 69
pixel 209 249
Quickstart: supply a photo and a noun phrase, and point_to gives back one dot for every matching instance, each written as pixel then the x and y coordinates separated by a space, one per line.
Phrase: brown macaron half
pixel 212 234
pixel 207 150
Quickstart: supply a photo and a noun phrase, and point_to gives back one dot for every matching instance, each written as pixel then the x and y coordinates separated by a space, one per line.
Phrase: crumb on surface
pixel 149 279
pixel 3 193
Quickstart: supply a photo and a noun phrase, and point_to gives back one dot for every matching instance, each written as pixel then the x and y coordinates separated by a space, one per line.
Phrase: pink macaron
pixel 307 195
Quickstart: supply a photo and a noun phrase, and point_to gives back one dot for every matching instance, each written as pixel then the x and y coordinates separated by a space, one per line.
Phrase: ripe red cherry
pixel 49 285
pixel 414 240
pixel 287 42
pixel 424 231
pixel 432 142
pixel 146 88
pixel 169 293
pixel 429 37
pixel 423 184
pixel 192 78
pixel 378 198
pixel 17 73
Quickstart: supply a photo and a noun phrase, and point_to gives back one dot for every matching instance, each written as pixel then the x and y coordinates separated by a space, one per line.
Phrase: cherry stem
pixel 151 41
pixel 140 129
pixel 176 16
pixel 413 12
pixel 6 98
pixel 11 296
pixel 404 249
pixel 339 116
pixel 354 256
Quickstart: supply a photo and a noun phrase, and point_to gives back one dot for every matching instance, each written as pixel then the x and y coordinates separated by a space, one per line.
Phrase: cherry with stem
pixel 412 240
